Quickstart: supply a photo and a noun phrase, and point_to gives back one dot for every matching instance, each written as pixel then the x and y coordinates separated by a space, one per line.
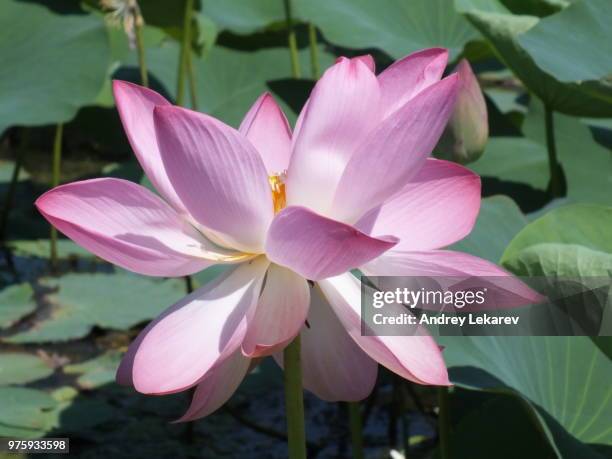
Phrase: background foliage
pixel 64 328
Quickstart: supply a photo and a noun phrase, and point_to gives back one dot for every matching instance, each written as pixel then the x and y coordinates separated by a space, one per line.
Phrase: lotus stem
pixel 192 81
pixel 355 425
pixel 188 284
pixel 10 193
pixel 185 67
pixel 314 52
pixel 294 400
pixel 140 49
pixel 401 403
pixel 185 49
pixel 443 422
pixel 292 41
pixel 555 186
pixel 55 180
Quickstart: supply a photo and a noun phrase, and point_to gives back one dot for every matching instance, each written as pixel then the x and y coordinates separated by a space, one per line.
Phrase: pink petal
pixel 218 175
pixel 135 104
pixel 176 350
pixel 266 126
pixel 341 110
pixel 448 267
pixel 334 368
pixel 395 151
pixel 317 247
pixel 416 358
pixel 281 312
pixel 438 207
pixel 406 77
pixel 217 387
pixel 127 225
pixel 366 59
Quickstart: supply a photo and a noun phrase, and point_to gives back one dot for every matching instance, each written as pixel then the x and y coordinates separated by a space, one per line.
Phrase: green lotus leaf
pixel 52 64
pixel 115 301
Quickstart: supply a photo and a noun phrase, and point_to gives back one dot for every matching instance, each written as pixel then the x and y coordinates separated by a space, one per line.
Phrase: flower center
pixel 278 191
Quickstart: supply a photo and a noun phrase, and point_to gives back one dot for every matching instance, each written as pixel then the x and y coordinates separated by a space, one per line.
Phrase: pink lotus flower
pixel 351 188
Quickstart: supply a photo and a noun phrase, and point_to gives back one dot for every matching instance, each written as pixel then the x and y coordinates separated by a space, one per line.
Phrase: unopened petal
pixel 466 135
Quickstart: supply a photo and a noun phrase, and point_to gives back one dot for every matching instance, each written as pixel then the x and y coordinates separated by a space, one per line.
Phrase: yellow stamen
pixel 278 191
pixel 229 258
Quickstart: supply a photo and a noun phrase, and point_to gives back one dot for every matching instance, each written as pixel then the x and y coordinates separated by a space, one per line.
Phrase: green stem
pixel 185 48
pixel 356 428
pixel 404 420
pixel 294 401
pixel 10 194
pixel 55 180
pixel 185 67
pixel 142 64
pixel 188 284
pixel 192 81
pixel 556 188
pixel 292 41
pixel 314 52
pixel 443 422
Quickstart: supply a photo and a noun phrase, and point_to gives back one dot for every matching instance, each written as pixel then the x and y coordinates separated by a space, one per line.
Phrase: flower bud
pixel 466 134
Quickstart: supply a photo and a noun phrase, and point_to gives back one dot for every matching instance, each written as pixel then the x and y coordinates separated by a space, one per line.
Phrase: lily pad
pixel 514 159
pixel 209 274
pixel 395 26
pixel 116 301
pixel 583 54
pixel 572 241
pixel 560 377
pixel 17 302
pixel 40 248
pixel 25 413
pixel 52 64
pixel 503 31
pixel 17 368
pixel 96 372
pixel 32 413
pixel 482 433
pixel 6 172
pixel 604 343
pixel 76 413
pixel 229 81
pixel 499 220
pixel 162 13
pixel 584 224
pixel 587 164
pixel 524 160
pixel 244 17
